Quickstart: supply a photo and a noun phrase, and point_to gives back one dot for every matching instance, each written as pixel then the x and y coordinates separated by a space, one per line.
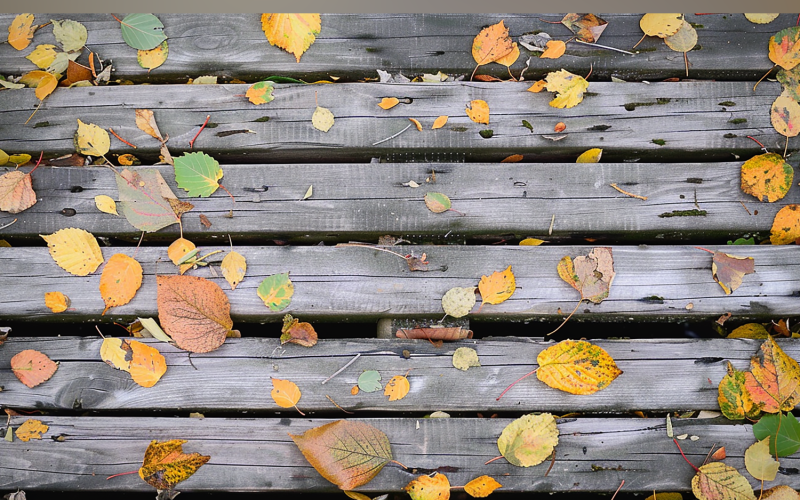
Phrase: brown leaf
pixel 587 27
pixel 16 192
pixel 32 367
pixel 73 160
pixel 487 78
pixel 432 333
pixel 728 270
pixel 297 333
pixel 204 221
pixel 417 263
pixel 147 123
pixel 591 275
pixel 512 159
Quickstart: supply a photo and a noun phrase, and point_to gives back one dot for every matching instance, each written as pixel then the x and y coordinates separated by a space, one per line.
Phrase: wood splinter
pixel 639 197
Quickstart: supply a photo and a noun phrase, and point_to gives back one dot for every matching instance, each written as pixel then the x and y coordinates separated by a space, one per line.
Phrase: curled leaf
pixel 297 333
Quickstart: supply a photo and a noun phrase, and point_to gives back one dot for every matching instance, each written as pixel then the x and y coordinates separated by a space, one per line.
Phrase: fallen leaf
pixel 276 291
pixel 661 25
pixel 497 287
pixel 478 111
pixel 142 32
pixel 554 49
pixel 465 357
pixel 586 27
pixel 459 301
pixel 785 115
pixel 149 325
pixel 728 270
pixel 436 487
pixel 142 202
pixel 590 156
pixel 56 301
pixel 759 463
pixel 31 429
pixel 260 93
pixel 481 487
pixel 576 367
pixel 734 399
pixel 91 140
pixel 537 87
pixel 397 387
pixel 297 333
pixel 146 122
pixel 531 242
pixel 782 492
pixel 510 58
pixel 512 159
pixel 178 252
pixel 717 481
pixel 767 177
pixel 786 226
pixel 322 119
pixel 204 221
pixel 354 390
pixel 32 367
pixel 44 83
pixel 491 44
pixel 529 440
pixel 165 464
pixel 293 33
pixel 683 40
pixel 774 379
pixel 153 58
pixel 569 88
pixel 144 363
pixel 784 47
pixel 783 431
pixel 432 333
pixel 106 204
pixel 19 160
pixel 389 102
pixel 749 331
pixel 761 18
pixel 21 31
pixel 16 192
pixel 416 123
pixel 560 127
pixel 347 453
pixel 285 393
pixel 234 266
pixel 203 80
pixel 121 278
pixel 194 311
pixel 198 174
pixel 369 381
pixel 437 202
pixel 70 34
pixel 309 192
pixel 591 275
pixel 439 122
pixel 356 495
pixel 43 55
pixel 74 250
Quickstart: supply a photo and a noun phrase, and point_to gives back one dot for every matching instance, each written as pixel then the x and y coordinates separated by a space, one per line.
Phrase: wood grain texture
pixel 252 455
pixel 352 47
pixel 692 118
pixel 363 202
pixel 658 375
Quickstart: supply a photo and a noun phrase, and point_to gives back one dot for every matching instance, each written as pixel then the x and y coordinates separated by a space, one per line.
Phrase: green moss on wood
pixel 262 119
pixel 730 136
pixel 486 134
pixel 737 121
pixel 727 103
pixel 684 213
pixel 660 142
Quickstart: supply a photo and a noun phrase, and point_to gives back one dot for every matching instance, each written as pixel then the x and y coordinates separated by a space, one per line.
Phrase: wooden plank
pixel 659 375
pixel 357 284
pixel 353 46
pixel 250 455
pixel 500 201
pixel 693 119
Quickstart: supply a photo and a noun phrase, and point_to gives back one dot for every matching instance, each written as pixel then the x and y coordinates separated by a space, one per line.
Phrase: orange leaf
pixel 478 111
pixel 498 287
pixel 576 367
pixel 774 379
pixel 429 488
pixel 481 487
pixel 165 464
pixel 285 393
pixel 511 57
pixel 194 311
pixel 767 176
pixel 31 429
pixel 21 31
pixel 347 453
pixel 538 86
pixel 16 192
pixel 44 83
pixel 121 278
pixel 784 48
pixel 560 126
pixel 389 102
pixel 554 49
pixel 439 122
pixel 512 159
pixel 294 33
pixel 397 387
pixel 145 363
pixel 786 226
pixel 32 367
pixel 491 44
pixel 147 123
pixel 297 333
pixel 416 123
pixel 56 301
pixel 177 250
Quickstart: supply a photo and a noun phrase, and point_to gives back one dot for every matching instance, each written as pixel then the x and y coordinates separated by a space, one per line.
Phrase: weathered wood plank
pixel 257 454
pixel 659 375
pixel 357 284
pixel 363 202
pixel 353 46
pixel 693 119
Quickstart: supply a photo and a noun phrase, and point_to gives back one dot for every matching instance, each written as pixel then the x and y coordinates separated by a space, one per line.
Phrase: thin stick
pixel 230 241
pixel 620 487
pixel 334 404
pixel 709 453
pixel 762 78
pixel 640 41
pixel 372 247
pixel 552 221
pixel 98 331
pixel 614 185
pixel 686 62
pixel 120 138
pixel 343 368
pixel 395 135
pixel 138 245
pixel 41 155
pixel 513 384
pixel 552 462
pixel 34 112
pixel 10 223
pixel 492 460
pixel 785 148
pixel 684 456
pixel 568 317
pixel 605 47
pixel 191 143
pixel 748 211
pixel 705 249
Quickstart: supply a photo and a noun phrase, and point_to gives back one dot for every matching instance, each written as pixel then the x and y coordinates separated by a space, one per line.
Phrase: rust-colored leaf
pixel 491 44
pixel 728 270
pixel 512 159
pixel 497 287
pixel 165 464
pixel 121 278
pixel 432 333
pixel 576 367
pixel 32 367
pixel 774 379
pixel 436 487
pixel 297 333
pixel 31 429
pixel 16 192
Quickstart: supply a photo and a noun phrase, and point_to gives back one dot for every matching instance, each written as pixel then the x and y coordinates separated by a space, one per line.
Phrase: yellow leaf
pixel 569 88
pixel 21 31
pixel 478 111
pixel 294 33
pixel 356 495
pixel 322 119
pixel 498 287
pixel 389 102
pixel 106 204
pixel 576 367
pixel 91 140
pixel 31 429
pixel 481 487
pixel 74 250
pixel 128 160
pixel 537 87
pixel 684 39
pixel 759 463
pixel 554 49
pixel 429 488
pixel 285 393
pixel 397 387
pixel 531 242
pixel 121 278
pixel 761 18
pixel 417 123
pixel 44 82
pixel 458 301
pixel 491 44
pixel 177 250
pixel 56 301
pixel 234 265
pixel 717 481
pixel 145 364
pixel 590 156
pixel 529 440
pixel 786 225
pixel 146 122
pixel 749 331
pixel 439 122
pixel 165 464
pixel 511 57
pixel 465 357
pixel 660 25
pixel 153 58
pixel 42 56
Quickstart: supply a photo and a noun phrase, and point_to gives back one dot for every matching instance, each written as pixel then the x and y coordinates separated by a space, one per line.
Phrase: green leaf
pixel 197 173
pixel 70 34
pixel 142 31
pixel 276 291
pixel 437 202
pixel 784 431
pixel 369 381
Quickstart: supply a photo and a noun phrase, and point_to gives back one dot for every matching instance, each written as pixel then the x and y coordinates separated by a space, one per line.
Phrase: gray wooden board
pixel 693 120
pixel 658 375
pixel 257 454
pixel 354 46
pixel 361 284
pixel 363 202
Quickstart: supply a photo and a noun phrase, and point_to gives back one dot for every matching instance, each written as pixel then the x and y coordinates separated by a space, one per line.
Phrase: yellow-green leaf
pixel 529 440
pixel 197 173
pixel 276 291
pixel 576 367
pixel 91 140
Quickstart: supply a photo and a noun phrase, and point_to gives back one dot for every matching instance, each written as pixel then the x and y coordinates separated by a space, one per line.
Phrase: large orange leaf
pixel 491 44
pixel 347 453
pixel 145 364
pixel 16 192
pixel 577 367
pixel 529 440
pixel 774 379
pixel 165 464
pixel 784 47
pixel 294 33
pixel 591 275
pixel 121 278
pixel 74 250
pixel 21 31
pixel 32 367
pixel 717 481
pixel 497 287
pixel 44 83
pixel 436 487
pixel 767 176
pixel 194 311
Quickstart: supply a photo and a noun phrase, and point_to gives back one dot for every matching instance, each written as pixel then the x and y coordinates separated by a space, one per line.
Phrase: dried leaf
pixel 481 487
pixel 734 399
pixel 297 333
pixel 144 363
pixel 576 367
pixel 774 379
pixel 322 119
pixel 56 301
pixel 198 174
pixel 728 270
pixel 661 25
pixel 151 326
pixel 74 250
pixel 32 367
pixel 767 177
pixel 554 49
pixel 121 278
pixel 20 32
pixel 260 93
pixel 569 88
pixel 537 87
pixel 70 34
pixel 458 301
pixel 16 192
pixel 749 331
pixel 498 287
pixel 153 58
pixel 142 202
pixel 369 381
pixel 510 58
pixel 439 122
pixel 684 39
pixel 491 44
pixel 285 393
pixel 436 487
pixel 590 156
pixel 91 140
pixel 529 440
pixel 234 266
pixel 44 83
pixel 416 123
pixel 347 453
pixel 512 159
pixel 294 33
pixel 531 242
pixel 106 204
pixel 276 291
pixel 165 464
pixel 389 102
pixel 717 481
pixel 465 357
pixel 761 18
pixel 437 202
pixel 587 27
pixel 782 492
pixel 591 275
pixel 432 333
pixel 784 47
pixel 147 123
pixel 759 462
pixel 194 311
pixel 478 111
pixel 309 192
pixel 560 127
pixel 785 115
pixel 31 429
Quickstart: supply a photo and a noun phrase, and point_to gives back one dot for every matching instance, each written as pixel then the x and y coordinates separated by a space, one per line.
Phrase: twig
pixel 5 226
pixel 343 368
pixel 605 47
pixel 120 138
pixel 686 62
pixel 614 185
pixel 34 111
pixel 748 211
pixel 372 247
pixel 191 143
pixel 138 244
pixel 620 487
pixel 762 78
pixel 552 221
pixel 786 148
pixel 395 135
pixel 334 404
pixel 552 462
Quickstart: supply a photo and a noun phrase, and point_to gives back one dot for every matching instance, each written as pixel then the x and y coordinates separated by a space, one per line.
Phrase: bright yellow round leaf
pixel 576 367
pixel 74 250
pixel 590 156
pixel 396 388
pixel 429 488
pixel 106 204
pixel 91 140
pixel 660 25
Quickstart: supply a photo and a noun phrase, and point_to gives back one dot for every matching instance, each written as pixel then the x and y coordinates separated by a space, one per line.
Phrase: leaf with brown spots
pixel 497 287
pixel 297 333
pixel 767 177
pixel 32 367
pixel 436 487
pixel 31 429
pixel 165 464
pixel 21 31
pixel 786 226
pixel 587 27
pixel 576 367
pixel 591 275
pixel 481 487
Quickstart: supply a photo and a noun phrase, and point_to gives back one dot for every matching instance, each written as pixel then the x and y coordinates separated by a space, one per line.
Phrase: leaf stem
pixel 336 405
pixel 226 190
pixel 568 317
pixel 762 78
pixel 515 382
pixel 640 41
pixel 762 146
pixel 122 473
pixel 492 460
pixel 120 138
pixel 705 249
pixel 684 456
pixel 552 462
pixel 191 143
pixel 37 163
pixel 398 463
pixel 298 411
pixel 620 487
pixel 392 137
pixel 10 223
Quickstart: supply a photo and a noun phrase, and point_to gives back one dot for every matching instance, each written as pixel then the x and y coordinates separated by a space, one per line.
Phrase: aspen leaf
pixel 783 431
pixel 785 115
pixel 761 18
pixel 529 440
pixel 786 225
pixel 56 301
pixel 16 192
pixel 165 464
pixel 74 250
pixel 784 47
pixel 397 388
pixel 178 251
pixel 144 363
pixel 591 275
pixel 511 57
pixel 491 44
pixel 369 381
pixel 587 27
pixel 293 33
pixel 478 111
pixel 153 58
pixel 497 287
pixel 481 487
pixel 297 333
pixel 276 291
pixel 437 202
pixel 576 367
pixel 660 25
pixel 356 495
pixel 121 278
pixel 782 492
pixel 142 202
pixel 569 88
pixel 31 429
pixel 142 31
pixel 458 301
pixel 70 34
pixel 590 156
pixel 767 177
pixel 439 122
pixel 197 173
pixel 146 122
pixel 260 93
pixel 465 357
pixel 43 55
pixel 728 270
pixel 436 487
pixel 734 399
pixel 234 266
pixel 21 31
pixel 717 481
pixel 774 379
pixel 554 49
pixel 531 242
pixel 91 140
pixel 684 39
pixel 760 464
pixel 19 159
pixel 44 83
pixel 285 393
pixel 105 204
pixel 389 102
pixel 32 367
pixel 322 119
pixel 347 453
pixel 416 123
pixel 194 311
